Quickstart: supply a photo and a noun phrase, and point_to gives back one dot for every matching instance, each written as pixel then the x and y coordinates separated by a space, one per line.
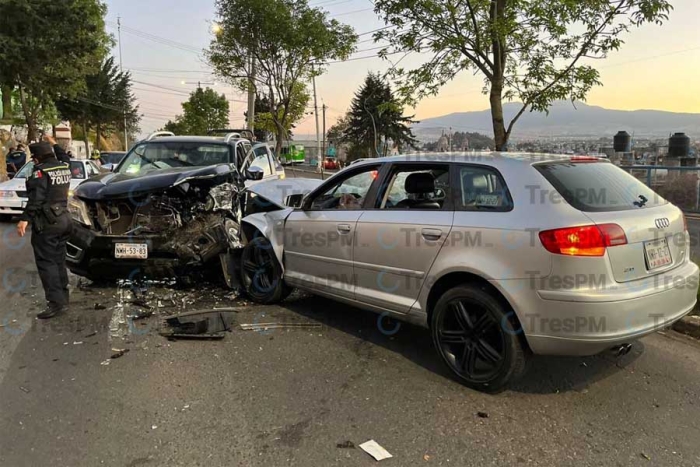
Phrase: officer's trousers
pixel 49 246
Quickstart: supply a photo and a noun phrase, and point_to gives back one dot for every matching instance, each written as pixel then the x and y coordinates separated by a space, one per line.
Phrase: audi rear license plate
pixel 657 253
pixel 131 251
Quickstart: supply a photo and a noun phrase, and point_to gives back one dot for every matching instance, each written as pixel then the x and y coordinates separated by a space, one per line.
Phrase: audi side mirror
pixel 295 201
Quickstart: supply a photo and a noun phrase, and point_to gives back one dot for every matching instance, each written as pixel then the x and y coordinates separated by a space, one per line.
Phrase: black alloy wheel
pixel 473 335
pixel 261 272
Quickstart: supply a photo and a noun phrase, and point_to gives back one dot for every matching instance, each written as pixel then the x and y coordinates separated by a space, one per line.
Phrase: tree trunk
pixel 29 117
pixel 281 134
pixel 86 130
pixel 7 102
pixel 98 132
pixel 499 127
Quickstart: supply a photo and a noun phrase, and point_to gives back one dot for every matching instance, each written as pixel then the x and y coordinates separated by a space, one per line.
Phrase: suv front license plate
pixel 131 251
pixel 657 254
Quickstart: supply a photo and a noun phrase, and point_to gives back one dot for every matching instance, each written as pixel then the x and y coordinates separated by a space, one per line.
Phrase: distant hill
pixel 565 120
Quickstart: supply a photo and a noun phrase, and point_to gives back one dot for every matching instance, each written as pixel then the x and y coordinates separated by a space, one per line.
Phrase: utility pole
pixel 318 138
pixel 121 69
pixel 324 128
pixel 324 137
pixel 251 95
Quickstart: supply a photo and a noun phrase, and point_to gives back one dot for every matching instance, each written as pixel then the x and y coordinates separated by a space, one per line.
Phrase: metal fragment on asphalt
pixel 373 448
pixel 266 326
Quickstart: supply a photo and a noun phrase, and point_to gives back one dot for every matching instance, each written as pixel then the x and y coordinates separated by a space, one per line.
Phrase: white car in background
pixel 13 193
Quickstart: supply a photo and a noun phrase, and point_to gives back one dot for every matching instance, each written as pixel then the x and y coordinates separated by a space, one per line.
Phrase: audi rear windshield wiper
pixel 642 201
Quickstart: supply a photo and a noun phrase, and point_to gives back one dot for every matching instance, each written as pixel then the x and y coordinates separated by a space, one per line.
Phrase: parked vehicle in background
pixel 293 154
pixel 329 163
pixel 13 193
pixel 170 209
pixel 499 256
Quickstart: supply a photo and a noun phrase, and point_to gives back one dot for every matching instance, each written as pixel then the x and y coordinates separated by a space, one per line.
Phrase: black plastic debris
pixel 482 414
pixel 346 445
pixel 99 306
pixel 209 324
pixel 117 353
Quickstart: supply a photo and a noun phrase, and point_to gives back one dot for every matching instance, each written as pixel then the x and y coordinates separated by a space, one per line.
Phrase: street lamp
pixel 199 83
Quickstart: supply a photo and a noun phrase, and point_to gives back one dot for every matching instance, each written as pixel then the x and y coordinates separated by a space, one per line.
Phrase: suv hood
pixel 276 191
pixel 115 185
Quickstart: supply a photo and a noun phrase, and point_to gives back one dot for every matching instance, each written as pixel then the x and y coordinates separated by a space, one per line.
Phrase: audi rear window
pixel 596 187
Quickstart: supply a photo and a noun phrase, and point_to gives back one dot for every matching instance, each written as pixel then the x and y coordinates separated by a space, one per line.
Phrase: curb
pixel 689 325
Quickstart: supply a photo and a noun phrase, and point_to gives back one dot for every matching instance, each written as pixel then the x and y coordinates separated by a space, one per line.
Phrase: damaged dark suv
pixel 170 209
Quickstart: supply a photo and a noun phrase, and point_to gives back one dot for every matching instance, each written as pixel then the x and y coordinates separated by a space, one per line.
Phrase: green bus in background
pixel 293 154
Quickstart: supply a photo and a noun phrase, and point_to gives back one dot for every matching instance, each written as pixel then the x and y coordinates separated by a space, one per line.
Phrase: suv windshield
pixel 598 186
pixel 152 156
pixel 112 157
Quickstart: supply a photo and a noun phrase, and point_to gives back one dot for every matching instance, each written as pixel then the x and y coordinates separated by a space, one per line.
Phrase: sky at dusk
pixel 162 42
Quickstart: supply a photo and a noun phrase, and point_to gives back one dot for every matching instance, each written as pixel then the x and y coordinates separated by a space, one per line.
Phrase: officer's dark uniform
pixel 46 209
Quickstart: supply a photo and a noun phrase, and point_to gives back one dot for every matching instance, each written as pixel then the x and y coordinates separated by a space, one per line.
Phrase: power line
pixel 351 12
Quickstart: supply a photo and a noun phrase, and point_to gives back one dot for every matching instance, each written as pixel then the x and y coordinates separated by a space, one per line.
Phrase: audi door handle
pixel 431 234
pixel 344 228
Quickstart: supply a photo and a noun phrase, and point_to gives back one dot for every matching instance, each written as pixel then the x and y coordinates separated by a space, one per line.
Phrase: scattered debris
pixel 141 314
pixel 154 427
pixel 646 457
pixel 209 324
pixel 105 363
pixel 266 326
pixel 346 445
pixel 23 389
pixel 93 333
pixel 482 414
pixel 99 306
pixel 116 353
pixel 373 448
pixel 78 343
pixel 426 458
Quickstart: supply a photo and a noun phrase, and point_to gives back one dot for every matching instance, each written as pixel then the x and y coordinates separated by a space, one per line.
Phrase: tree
pixel 104 103
pixel 204 111
pixel 267 122
pixel 272 46
pixel 47 48
pixel 376 117
pixel 532 51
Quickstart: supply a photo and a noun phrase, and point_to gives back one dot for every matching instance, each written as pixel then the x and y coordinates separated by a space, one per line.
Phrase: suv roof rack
pixel 156 134
pixel 242 132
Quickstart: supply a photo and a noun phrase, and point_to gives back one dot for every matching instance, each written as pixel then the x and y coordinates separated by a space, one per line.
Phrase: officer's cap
pixel 41 151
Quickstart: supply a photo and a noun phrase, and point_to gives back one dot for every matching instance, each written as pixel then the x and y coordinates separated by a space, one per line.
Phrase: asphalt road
pixel 290 396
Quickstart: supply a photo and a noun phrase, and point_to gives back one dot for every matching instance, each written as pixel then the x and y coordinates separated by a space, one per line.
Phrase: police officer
pixel 46 209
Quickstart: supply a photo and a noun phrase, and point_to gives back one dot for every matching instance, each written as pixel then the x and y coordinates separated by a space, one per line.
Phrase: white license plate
pixel 131 251
pixel 657 253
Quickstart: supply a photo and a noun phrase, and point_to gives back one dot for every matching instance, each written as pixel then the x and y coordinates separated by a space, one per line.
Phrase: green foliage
pixel 287 43
pixel 299 99
pixel 375 118
pixel 531 51
pixel 48 47
pixel 104 103
pixel 204 111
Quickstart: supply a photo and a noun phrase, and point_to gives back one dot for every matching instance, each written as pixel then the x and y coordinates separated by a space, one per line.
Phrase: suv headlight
pixel 79 211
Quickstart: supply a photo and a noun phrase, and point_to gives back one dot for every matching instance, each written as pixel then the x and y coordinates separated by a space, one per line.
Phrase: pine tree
pixel 376 119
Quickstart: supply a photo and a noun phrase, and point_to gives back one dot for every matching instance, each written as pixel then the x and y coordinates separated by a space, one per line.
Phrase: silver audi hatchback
pixel 500 256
